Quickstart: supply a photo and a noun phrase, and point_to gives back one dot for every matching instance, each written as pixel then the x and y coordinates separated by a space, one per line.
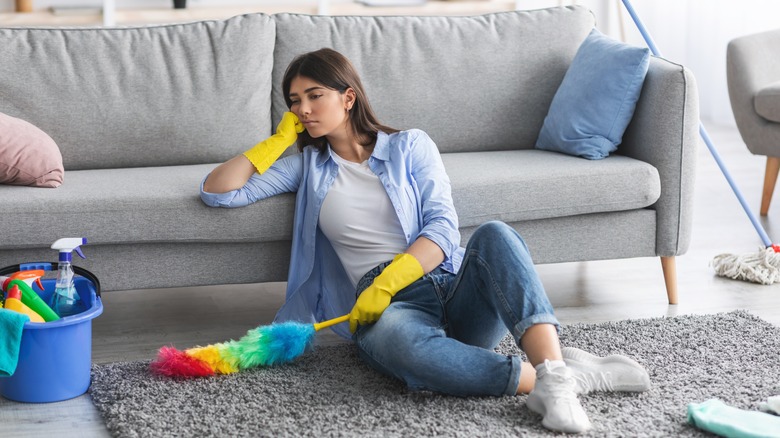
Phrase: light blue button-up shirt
pixel 409 167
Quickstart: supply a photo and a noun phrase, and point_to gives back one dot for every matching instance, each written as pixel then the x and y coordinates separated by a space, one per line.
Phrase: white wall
pixel 695 33
pixel 691 32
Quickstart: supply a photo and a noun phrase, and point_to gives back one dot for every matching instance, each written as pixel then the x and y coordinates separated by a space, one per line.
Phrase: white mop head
pixel 763 267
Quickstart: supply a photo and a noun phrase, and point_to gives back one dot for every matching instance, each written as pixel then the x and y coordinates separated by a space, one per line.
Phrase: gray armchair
pixel 753 72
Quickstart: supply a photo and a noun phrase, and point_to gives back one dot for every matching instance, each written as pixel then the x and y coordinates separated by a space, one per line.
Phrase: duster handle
pixel 330 322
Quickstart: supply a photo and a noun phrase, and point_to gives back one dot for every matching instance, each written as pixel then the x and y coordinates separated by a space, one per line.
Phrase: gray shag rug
pixel 330 392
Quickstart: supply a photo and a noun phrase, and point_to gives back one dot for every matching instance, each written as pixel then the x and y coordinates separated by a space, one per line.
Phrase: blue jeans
pixel 438 333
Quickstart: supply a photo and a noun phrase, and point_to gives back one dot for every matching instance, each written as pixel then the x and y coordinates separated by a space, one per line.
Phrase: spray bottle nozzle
pixel 67 245
pixel 29 277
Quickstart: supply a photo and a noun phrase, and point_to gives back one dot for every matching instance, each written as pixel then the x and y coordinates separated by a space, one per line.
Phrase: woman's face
pixel 323 111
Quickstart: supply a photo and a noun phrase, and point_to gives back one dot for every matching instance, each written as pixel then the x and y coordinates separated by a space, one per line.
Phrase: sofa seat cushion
pixel 532 184
pixel 767 102
pixel 136 205
pixel 162 204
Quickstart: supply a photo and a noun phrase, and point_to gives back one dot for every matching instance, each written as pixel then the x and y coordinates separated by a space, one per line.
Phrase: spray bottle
pixel 14 302
pixel 65 300
pixel 24 281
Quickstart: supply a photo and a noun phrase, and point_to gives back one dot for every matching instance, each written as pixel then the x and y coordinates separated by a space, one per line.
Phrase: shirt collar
pixel 323 157
pixel 382 147
pixel 381 150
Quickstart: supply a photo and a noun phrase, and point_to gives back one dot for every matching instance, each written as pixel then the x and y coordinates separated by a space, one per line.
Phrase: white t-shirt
pixel 359 220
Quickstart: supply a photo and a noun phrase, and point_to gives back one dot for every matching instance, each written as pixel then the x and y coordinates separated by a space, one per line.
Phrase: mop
pixel 762 267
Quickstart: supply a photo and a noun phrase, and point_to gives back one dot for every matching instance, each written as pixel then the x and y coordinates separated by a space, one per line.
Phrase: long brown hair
pixel 333 70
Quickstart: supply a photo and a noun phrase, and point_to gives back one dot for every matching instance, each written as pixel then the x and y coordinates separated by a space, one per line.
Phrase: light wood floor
pixel 136 323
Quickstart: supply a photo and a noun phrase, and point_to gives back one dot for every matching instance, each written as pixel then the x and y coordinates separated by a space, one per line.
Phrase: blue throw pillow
pixel 596 100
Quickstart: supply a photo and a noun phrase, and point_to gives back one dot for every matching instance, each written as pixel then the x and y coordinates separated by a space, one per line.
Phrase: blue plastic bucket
pixel 55 358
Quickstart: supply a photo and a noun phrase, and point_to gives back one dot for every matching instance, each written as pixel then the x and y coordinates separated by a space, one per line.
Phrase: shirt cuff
pixel 214 199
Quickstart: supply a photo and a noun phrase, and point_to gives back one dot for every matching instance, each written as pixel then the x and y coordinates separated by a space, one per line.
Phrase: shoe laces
pixel 594 381
pixel 562 387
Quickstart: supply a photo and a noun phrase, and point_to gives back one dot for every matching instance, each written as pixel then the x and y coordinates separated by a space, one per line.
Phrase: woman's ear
pixel 349 98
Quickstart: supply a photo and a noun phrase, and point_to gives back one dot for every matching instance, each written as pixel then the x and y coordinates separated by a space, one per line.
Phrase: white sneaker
pixel 611 373
pixel 556 401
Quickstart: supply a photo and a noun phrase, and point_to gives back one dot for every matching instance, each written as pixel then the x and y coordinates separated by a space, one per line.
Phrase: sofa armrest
pixel 665 133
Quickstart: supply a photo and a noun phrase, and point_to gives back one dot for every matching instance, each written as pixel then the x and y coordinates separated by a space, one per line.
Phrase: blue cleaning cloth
pixel 724 420
pixel 11 326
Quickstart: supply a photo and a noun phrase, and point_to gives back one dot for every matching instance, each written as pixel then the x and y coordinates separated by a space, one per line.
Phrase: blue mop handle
pixel 753 219
pixel 704 135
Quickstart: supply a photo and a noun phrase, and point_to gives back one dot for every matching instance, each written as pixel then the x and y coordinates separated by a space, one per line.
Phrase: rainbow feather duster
pixel 263 346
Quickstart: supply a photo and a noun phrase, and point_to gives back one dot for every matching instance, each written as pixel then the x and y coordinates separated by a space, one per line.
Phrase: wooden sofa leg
pixel 770 179
pixel 670 278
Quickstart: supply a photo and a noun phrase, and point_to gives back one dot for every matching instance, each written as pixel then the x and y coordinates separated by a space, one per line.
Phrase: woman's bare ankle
pixel 527 378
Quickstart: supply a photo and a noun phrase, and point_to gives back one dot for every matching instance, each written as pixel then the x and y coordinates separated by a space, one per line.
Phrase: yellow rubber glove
pixel 263 154
pixel 402 272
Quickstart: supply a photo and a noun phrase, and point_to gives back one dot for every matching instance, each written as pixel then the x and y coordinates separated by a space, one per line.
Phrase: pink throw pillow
pixel 28 156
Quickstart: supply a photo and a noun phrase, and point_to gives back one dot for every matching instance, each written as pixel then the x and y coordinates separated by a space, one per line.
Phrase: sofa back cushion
pixel 472 83
pixel 142 96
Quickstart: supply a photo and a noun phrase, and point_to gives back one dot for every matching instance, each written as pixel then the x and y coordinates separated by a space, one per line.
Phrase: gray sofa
pixel 142 114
